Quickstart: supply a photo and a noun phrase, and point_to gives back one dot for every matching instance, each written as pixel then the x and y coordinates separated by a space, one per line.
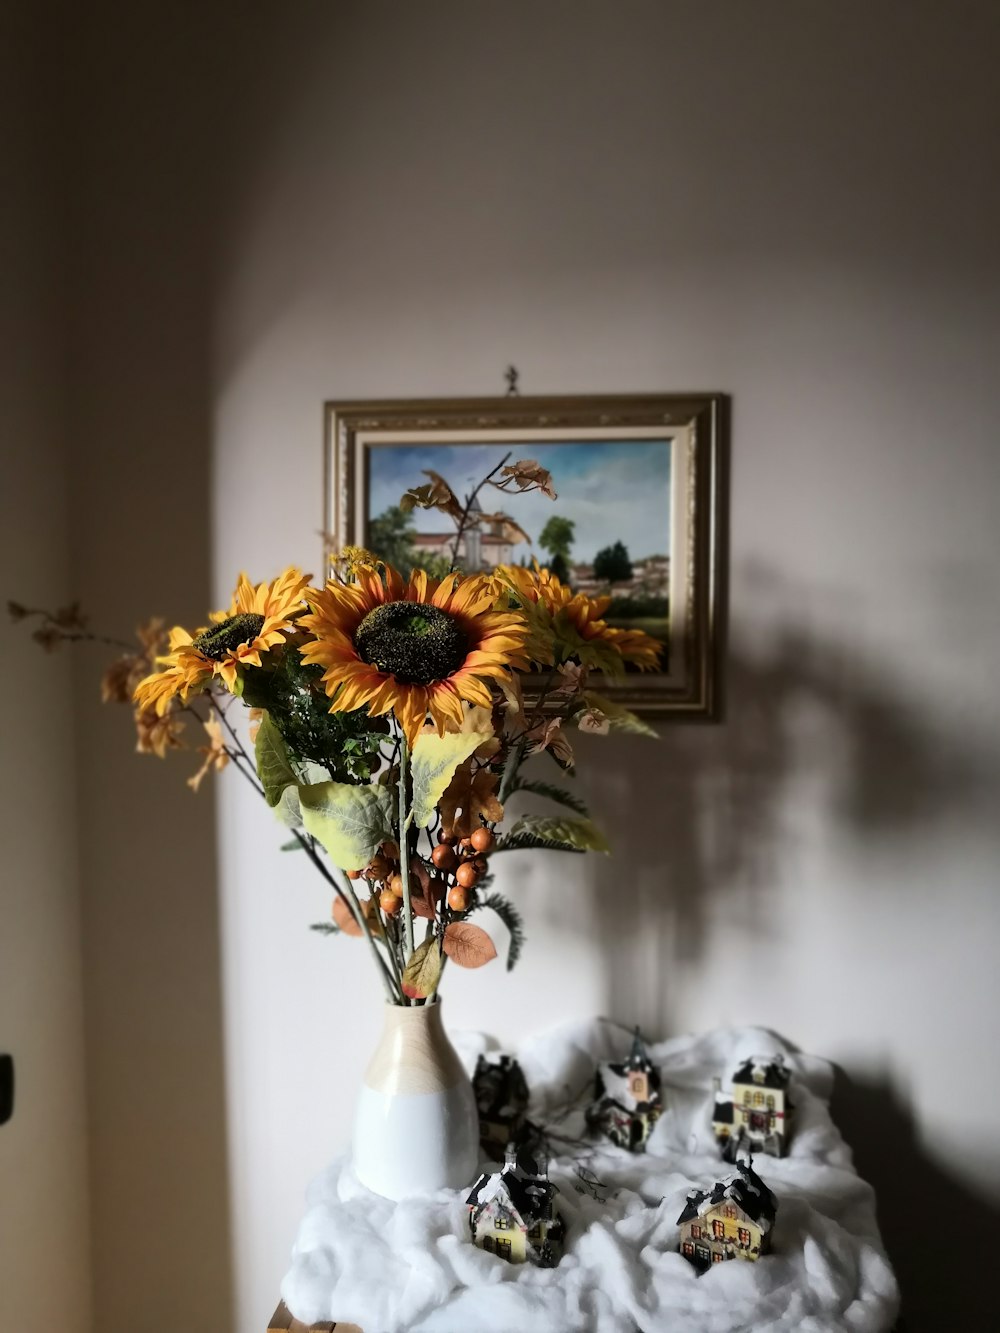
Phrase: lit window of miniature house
pixel 733 1220
pixel 627 1101
pixel 511 1212
pixel 756 1115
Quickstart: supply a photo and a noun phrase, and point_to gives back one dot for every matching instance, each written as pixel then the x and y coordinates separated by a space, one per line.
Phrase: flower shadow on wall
pixel 814 742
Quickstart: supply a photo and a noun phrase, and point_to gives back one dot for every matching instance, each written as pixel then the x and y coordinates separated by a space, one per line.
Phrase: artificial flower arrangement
pixel 391 721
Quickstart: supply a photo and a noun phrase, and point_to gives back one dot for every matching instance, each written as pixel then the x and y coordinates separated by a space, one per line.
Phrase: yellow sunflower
pixel 415 649
pixel 258 619
pixel 571 626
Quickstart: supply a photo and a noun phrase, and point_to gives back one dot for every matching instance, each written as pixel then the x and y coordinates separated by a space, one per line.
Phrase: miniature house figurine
pixel 756 1115
pixel 731 1221
pixel 502 1099
pixel 511 1212
pixel 627 1099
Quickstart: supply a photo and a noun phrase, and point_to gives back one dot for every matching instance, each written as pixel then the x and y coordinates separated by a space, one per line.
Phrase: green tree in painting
pixel 612 565
pixel 557 538
pixel 390 536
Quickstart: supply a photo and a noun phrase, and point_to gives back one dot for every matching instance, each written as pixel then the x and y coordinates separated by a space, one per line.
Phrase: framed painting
pixel 637 519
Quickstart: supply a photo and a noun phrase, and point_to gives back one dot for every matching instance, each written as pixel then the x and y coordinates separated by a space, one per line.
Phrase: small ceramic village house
pixel 502 1100
pixel 512 1214
pixel 731 1221
pixel 756 1115
pixel 627 1101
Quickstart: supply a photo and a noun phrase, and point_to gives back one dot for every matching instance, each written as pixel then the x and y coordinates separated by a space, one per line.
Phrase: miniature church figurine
pixel 733 1220
pixel 627 1101
pixel 756 1115
pixel 511 1212
pixel 502 1099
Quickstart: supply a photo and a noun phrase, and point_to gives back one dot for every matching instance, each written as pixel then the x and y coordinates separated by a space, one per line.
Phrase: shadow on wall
pixel 811 733
pixel 939 1235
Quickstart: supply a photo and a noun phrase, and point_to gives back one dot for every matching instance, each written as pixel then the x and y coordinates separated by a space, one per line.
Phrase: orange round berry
pixel 467 874
pixel 480 863
pixel 447 838
pixel 354 874
pixel 389 902
pixel 444 857
pixel 483 840
pixel 458 899
pixel 395 885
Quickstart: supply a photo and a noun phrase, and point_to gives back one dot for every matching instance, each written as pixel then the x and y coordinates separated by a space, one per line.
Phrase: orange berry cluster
pixel 464 859
pixel 383 870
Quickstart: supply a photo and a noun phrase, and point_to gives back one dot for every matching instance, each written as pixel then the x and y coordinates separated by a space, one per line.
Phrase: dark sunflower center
pixel 227 636
pixel 414 642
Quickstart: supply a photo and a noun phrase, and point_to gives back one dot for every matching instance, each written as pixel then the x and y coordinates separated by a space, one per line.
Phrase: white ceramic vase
pixel 416 1129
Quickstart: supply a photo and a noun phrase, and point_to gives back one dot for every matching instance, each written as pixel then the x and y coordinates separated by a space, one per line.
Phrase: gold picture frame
pixel 681 436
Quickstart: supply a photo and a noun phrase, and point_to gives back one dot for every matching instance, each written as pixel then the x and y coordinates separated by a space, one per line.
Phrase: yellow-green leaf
pixel 422 971
pixel 273 766
pixel 580 835
pixel 619 718
pixel 351 823
pixel 435 759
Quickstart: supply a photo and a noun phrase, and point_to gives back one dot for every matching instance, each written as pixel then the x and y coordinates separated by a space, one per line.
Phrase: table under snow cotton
pixel 411 1266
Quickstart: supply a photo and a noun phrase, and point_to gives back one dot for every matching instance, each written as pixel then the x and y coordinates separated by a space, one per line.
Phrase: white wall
pixel 44 1277
pixel 791 203
pixel 794 203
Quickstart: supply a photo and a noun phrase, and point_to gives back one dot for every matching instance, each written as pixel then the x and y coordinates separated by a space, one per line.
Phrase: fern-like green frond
pixel 551 793
pixel 511 918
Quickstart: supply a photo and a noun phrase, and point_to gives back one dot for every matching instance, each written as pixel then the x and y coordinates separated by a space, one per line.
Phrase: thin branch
pixel 463 521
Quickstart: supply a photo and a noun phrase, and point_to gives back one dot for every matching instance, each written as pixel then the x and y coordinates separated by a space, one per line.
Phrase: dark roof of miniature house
pixel 744 1188
pixel 529 1190
pixel 499 1086
pixel 764 1071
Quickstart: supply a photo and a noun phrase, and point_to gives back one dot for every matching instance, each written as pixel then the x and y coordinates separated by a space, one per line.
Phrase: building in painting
pixel 512 1212
pixel 485 543
pixel 756 1115
pixel 627 1100
pixel 501 1099
pixel 733 1220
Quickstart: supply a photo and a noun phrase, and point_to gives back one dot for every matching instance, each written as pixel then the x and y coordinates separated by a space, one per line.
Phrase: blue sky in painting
pixel 615 490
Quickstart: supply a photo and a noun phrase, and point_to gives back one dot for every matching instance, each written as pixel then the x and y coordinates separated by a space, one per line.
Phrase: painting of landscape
pixel 606 534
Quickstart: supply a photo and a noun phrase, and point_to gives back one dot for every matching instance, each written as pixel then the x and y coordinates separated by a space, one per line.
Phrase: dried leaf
pixel 422 971
pixel 468 945
pixel 345 918
pixel 526 475
pixel 471 796
pixel 617 716
pixel 437 494
pixel 348 922
pixel 594 721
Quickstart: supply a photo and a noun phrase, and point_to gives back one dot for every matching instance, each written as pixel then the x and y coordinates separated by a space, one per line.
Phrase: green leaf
pixel 557 794
pixel 289 808
pixel 576 835
pixel 619 717
pixel 293 846
pixel 433 764
pixel 325 928
pixel 273 766
pixel 422 971
pixel 349 822
pixel 511 918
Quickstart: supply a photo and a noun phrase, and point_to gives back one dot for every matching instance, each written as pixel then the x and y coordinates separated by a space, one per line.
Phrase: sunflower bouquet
pixel 391 718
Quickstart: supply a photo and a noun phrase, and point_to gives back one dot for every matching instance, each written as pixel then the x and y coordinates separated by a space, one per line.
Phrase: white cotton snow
pixel 410 1265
